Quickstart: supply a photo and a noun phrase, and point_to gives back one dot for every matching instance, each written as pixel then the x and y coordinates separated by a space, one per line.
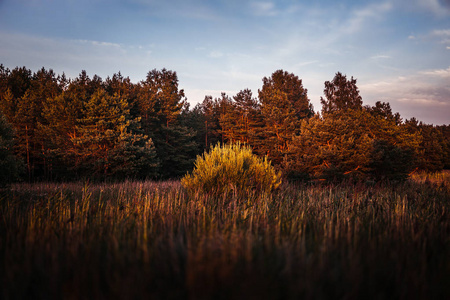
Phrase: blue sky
pixel 398 50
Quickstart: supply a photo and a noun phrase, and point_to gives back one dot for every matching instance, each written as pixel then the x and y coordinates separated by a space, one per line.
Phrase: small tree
pixel 232 167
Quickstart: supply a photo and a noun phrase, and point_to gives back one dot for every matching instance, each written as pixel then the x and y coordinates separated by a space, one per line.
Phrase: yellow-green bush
pixel 232 168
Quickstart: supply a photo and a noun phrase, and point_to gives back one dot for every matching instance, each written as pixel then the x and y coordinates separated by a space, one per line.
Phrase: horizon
pixel 398 53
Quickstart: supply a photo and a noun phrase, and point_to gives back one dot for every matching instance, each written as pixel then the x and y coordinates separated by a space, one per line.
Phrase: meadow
pixel 152 240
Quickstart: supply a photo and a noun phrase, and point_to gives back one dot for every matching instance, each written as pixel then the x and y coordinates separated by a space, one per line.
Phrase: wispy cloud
pixel 263 8
pixel 190 9
pixel 443 73
pixel 215 54
pixel 99 43
pixel 380 56
pixel 441 32
pixel 71 56
pixel 440 36
pixel 233 44
pixel 360 17
pixel 424 95
pixel 306 63
pixel 443 35
pixel 439 8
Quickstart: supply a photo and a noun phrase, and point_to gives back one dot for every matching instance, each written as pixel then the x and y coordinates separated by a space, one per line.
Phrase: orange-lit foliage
pixel 232 168
pixel 52 128
pixel 347 144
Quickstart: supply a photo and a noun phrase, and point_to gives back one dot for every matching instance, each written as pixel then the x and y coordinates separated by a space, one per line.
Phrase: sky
pixel 398 50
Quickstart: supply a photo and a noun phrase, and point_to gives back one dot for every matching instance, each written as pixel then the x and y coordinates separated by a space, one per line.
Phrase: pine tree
pixel 243 120
pixel 19 81
pixel 4 75
pixel 27 116
pixel 10 165
pixel 445 144
pixel 204 119
pixel 224 106
pixel 160 100
pixel 389 161
pixel 431 151
pixel 177 149
pixel 211 110
pixel 284 103
pixel 83 87
pixel 160 105
pixel 351 144
pixel 108 145
pixel 340 94
pixel 123 86
pixel 8 105
pixel 58 129
pixel 349 141
pixel 383 110
pixel 195 121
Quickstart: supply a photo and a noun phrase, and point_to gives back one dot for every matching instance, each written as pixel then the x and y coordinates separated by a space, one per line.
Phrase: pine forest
pixel 59 129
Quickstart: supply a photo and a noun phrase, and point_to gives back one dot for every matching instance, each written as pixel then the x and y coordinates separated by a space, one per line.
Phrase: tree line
pixel 55 128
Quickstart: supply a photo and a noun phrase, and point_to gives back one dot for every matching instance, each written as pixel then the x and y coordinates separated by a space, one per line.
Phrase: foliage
pixel 49 115
pixel 177 149
pixel 330 147
pixel 284 103
pixel 383 110
pixel 205 118
pixel 445 132
pixel 340 94
pixel 232 167
pixel 432 148
pixel 349 141
pixel 390 162
pixel 108 143
pixel 160 103
pixel 25 94
pixel 351 144
pixel 243 121
pixel 10 165
pixel 160 100
pixel 58 128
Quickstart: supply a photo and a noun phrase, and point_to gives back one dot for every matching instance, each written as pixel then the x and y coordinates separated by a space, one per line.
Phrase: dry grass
pixel 152 240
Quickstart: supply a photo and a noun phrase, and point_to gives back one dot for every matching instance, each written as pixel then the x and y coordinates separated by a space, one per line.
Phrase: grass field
pixel 148 240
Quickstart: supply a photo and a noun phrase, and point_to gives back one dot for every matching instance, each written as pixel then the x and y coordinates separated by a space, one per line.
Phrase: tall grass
pixel 152 240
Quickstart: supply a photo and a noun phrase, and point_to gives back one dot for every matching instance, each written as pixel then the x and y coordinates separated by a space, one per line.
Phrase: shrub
pixel 232 168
